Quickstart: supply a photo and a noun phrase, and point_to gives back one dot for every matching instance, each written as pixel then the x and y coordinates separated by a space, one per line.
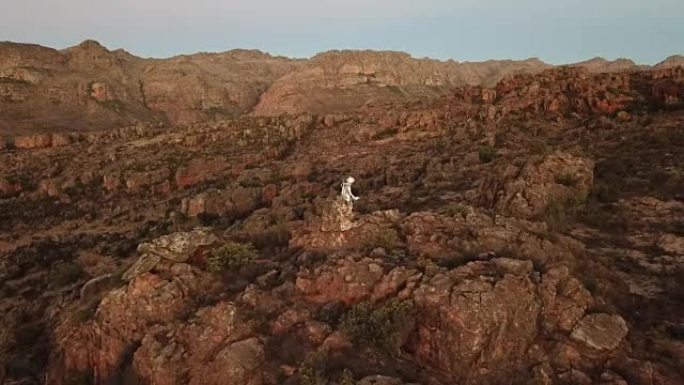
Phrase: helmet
pixel 350 179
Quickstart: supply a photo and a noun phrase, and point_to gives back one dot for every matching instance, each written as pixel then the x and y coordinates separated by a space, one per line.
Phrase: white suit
pixel 346 193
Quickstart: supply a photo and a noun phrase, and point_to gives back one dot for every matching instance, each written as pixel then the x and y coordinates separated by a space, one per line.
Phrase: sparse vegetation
pixel 384 327
pixel 65 273
pixel 539 147
pixel 560 213
pixel 456 209
pixel 231 256
pixel 312 370
pixel 487 154
pixel 388 239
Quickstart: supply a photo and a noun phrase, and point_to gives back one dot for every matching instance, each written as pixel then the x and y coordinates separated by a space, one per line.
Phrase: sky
pixel 556 31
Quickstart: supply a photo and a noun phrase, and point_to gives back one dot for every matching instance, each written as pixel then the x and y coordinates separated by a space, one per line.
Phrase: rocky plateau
pixel 177 221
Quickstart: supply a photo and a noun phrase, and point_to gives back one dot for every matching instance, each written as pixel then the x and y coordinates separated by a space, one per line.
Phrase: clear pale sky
pixel 556 31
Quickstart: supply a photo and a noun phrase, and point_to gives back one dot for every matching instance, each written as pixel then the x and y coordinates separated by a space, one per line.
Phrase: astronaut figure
pixel 346 193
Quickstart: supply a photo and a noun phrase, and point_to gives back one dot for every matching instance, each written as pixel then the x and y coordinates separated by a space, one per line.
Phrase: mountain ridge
pixel 89 87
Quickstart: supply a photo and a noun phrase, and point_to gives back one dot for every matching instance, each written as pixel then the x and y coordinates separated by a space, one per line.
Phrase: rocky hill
pixel 525 233
pixel 88 87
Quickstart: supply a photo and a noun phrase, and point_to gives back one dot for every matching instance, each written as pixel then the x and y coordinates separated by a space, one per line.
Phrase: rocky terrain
pixel 528 231
pixel 88 87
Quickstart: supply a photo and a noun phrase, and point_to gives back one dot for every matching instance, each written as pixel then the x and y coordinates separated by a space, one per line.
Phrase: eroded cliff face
pixel 88 87
pixel 524 233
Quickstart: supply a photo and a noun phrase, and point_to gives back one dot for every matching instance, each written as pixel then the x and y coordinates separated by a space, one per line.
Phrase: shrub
pixel 385 328
pixel 65 273
pixel 539 147
pixel 454 209
pixel 388 239
pixel 231 256
pixel 346 378
pixel 487 154
pixel 312 370
pixel 606 193
pixel 559 214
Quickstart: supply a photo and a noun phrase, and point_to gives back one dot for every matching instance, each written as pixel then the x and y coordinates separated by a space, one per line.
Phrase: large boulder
pixel 559 178
pixel 336 227
pixel 178 247
pixel 213 348
pixel 476 323
pixel 102 345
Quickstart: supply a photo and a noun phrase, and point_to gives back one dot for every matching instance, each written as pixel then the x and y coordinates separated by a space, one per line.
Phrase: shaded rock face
pixel 476 329
pixel 123 317
pixel 235 201
pixel 211 349
pixel 558 179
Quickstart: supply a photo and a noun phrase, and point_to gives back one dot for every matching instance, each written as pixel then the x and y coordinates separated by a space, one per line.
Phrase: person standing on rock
pixel 346 193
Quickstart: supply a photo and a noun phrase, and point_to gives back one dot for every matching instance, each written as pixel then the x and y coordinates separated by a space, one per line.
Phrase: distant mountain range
pixel 89 87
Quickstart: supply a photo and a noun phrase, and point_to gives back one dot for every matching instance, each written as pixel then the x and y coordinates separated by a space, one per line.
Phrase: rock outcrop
pixel 558 179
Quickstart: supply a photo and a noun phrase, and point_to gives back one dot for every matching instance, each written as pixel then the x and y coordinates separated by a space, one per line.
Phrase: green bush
pixel 454 209
pixel 388 239
pixel 231 256
pixel 487 154
pixel 385 328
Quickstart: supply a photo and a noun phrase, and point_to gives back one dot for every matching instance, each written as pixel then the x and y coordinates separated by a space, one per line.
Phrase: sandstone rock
pixel 142 265
pixel 600 331
pixel 558 179
pixel 212 349
pixel 98 284
pixel 672 244
pixel 459 237
pixel 337 216
pixel 33 141
pixel 178 247
pixel 123 319
pixel 347 280
pixel 234 201
pixel 565 299
pixel 200 170
pixel 462 318
pixel 137 180
pixel 336 228
pixel 9 187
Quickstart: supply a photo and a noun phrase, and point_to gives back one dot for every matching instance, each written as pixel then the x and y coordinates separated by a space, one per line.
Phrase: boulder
pixel 178 247
pixel 475 326
pixel 213 348
pixel 234 201
pixel 600 331
pixel 142 265
pixel 560 178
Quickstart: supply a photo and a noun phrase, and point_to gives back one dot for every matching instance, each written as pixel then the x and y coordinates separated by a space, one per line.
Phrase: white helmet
pixel 350 179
